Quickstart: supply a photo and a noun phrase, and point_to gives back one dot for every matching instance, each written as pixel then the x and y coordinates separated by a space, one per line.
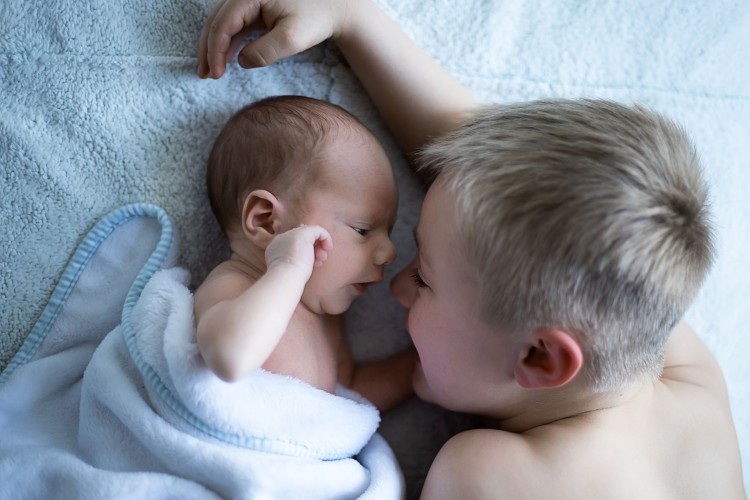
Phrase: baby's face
pixel 356 201
pixel 462 361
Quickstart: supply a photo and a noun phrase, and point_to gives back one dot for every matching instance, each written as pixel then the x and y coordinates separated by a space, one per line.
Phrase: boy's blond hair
pixel 587 216
pixel 271 144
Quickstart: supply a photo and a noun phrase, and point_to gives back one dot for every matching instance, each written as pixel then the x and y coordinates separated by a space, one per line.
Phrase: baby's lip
pixel 361 287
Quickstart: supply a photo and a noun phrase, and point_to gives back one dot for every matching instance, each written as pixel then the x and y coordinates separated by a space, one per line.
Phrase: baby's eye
pixel 362 231
pixel 418 279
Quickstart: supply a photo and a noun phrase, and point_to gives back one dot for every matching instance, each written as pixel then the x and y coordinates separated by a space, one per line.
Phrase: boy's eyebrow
pixel 420 253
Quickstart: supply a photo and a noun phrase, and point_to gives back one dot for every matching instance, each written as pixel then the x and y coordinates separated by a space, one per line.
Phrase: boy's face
pixel 356 200
pixel 462 361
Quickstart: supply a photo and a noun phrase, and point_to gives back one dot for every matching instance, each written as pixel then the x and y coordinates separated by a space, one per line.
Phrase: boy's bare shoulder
pixel 550 462
pixel 480 463
pixel 653 445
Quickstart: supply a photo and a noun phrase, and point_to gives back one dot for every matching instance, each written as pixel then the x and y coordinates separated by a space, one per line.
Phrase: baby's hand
pixel 295 25
pixel 305 247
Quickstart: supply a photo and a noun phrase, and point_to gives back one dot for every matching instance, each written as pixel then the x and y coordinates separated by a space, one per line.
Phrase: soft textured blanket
pixel 134 412
pixel 102 108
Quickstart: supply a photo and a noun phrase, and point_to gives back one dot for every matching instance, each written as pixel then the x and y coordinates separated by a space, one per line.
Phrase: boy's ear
pixel 551 359
pixel 262 214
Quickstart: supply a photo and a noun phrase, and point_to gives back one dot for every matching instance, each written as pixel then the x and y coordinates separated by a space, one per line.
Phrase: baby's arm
pixel 418 98
pixel 239 326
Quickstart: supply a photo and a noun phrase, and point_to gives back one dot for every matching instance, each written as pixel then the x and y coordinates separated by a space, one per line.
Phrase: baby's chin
pixel 332 307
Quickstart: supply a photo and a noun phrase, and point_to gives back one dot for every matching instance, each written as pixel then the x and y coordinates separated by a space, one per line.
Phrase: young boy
pixel 298 183
pixel 559 245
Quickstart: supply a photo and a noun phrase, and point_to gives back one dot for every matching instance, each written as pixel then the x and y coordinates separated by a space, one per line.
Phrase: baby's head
pixel 274 144
pixel 290 160
pixel 585 216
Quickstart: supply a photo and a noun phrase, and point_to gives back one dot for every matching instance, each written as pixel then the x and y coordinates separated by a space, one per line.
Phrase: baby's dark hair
pixel 270 144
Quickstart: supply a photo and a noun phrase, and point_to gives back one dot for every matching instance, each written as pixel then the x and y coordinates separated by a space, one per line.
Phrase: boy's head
pixel 290 160
pixel 584 216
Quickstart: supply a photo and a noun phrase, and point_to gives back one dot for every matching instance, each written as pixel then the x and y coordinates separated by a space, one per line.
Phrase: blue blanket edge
pixel 78 262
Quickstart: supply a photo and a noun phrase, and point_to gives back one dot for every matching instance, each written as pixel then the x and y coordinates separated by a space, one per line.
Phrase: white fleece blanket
pixel 134 413
pixel 102 108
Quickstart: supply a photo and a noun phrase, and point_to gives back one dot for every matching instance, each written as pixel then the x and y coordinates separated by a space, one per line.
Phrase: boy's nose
pixel 403 287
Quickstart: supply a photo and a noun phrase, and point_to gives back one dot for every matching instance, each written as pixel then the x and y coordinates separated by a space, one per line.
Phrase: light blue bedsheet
pixel 101 108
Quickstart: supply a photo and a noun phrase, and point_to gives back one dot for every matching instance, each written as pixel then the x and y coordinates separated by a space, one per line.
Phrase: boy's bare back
pixel 636 449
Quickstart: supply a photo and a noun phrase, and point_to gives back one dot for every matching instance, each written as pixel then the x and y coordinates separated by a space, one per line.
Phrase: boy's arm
pixel 417 98
pixel 237 334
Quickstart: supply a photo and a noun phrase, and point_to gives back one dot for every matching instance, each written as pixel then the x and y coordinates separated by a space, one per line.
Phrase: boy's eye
pixel 418 279
pixel 362 231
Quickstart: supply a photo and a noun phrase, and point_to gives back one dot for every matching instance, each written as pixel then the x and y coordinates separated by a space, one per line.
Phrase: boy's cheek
pixel 420 384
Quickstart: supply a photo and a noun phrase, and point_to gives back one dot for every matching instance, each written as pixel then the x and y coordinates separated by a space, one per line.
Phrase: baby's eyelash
pixel 418 279
pixel 361 231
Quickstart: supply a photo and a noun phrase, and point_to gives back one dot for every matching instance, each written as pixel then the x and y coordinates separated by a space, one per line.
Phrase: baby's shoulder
pixel 224 282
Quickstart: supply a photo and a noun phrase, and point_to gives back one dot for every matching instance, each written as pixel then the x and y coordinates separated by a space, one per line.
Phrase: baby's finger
pixel 324 240
pixel 320 256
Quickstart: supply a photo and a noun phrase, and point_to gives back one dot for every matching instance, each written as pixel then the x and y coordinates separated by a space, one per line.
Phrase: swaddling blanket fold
pixel 148 395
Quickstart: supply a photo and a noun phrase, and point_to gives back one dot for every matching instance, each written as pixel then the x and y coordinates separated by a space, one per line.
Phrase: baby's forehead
pixel 349 129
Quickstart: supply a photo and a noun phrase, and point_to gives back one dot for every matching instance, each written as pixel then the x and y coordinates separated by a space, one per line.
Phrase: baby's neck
pixel 249 260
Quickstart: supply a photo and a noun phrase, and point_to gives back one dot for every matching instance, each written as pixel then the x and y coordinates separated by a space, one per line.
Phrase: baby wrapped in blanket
pixel 119 404
pixel 149 404
pixel 126 402
pixel 260 366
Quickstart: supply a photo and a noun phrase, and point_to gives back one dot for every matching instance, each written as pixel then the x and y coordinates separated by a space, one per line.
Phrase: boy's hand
pixel 295 25
pixel 304 247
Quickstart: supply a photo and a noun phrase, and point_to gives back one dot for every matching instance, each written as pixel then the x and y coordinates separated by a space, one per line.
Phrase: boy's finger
pixel 203 69
pixel 282 41
pixel 229 20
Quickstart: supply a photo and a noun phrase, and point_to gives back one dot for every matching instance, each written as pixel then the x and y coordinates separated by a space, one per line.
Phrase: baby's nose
pixel 386 253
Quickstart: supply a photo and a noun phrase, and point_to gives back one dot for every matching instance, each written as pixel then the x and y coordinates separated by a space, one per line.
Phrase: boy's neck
pixel 572 406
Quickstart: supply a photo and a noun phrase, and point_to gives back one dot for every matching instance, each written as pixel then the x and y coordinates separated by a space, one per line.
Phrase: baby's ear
pixel 551 358
pixel 262 213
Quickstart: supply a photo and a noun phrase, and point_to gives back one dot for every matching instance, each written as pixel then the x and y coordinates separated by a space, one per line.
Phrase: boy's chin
pixel 421 387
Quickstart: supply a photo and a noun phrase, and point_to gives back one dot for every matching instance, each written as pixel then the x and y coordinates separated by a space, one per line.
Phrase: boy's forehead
pixel 437 235
pixel 442 259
